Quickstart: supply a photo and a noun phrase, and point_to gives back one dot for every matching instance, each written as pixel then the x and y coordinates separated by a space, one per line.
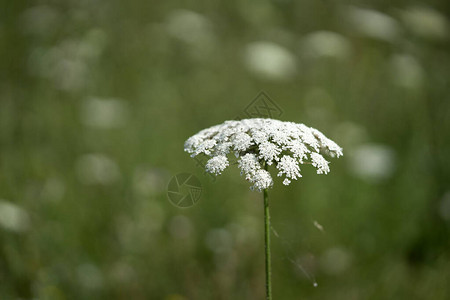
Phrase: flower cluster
pixel 259 143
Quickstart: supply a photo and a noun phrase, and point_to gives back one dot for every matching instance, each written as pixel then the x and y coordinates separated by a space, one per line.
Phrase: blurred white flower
pixel 67 63
pixel 372 23
pixel 180 227
pixel 264 142
pixel 69 74
pixel 335 261
pixel 194 30
pixel 104 113
pixel 97 169
pixel 90 276
pixel 246 231
pixel 444 207
pixel 372 161
pixel 147 182
pixel 426 22
pixel 13 217
pixel 326 44
pixel 406 71
pixel 189 26
pixel 219 240
pixel 270 61
pixel 92 44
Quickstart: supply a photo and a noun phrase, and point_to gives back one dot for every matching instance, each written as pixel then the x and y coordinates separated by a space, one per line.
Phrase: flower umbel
pixel 261 142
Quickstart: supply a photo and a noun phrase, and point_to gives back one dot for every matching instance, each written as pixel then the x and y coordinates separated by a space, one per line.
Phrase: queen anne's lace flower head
pixel 259 143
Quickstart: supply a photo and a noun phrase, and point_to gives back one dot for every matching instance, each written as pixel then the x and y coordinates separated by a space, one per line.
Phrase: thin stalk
pixel 267 244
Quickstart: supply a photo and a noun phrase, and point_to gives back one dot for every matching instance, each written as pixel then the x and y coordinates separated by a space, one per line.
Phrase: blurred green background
pixel 98 97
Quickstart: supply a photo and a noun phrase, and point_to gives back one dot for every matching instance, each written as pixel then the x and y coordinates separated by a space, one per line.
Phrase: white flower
pixel 298 149
pixel 217 164
pixel 259 136
pixel 261 180
pixel 289 166
pixel 320 163
pixel 249 165
pixel 204 147
pixel 258 143
pixel 332 148
pixel 241 141
pixel 269 151
pixel 223 148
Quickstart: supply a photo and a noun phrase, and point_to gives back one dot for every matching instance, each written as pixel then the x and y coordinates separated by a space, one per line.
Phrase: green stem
pixel 267 245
